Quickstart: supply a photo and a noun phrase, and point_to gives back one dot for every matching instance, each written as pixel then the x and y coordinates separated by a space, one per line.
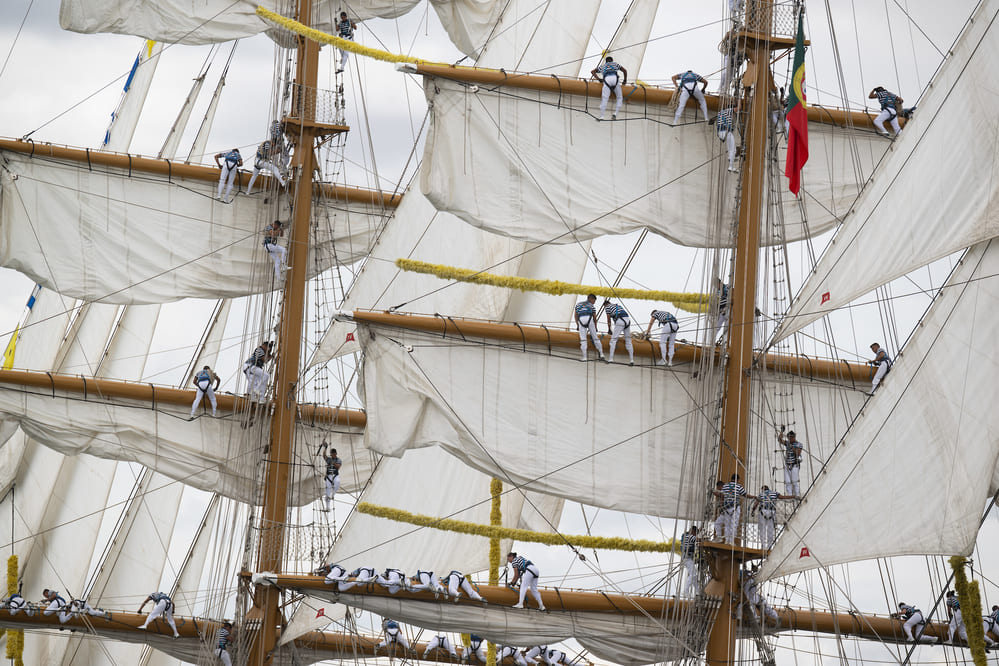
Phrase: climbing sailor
pixel 913 618
pixel 456 583
pixel 476 648
pixel 272 232
pixel 891 104
pixel 688 555
pixel 262 162
pixel 332 478
pixel 618 324
pixel 727 523
pixel 253 368
pixel 586 316
pixel 162 605
pixel 883 364
pixel 393 635
pixel 345 28
pixel 726 133
pixel 956 621
pixel 222 650
pixel 687 87
pixel 722 290
pixel 427 581
pixel 752 591
pixel 766 503
pixel 230 167
pixel 393 580
pixel 792 462
pixel 667 334
pixel 204 380
pixel 613 81
pixel 53 603
pixel 440 641
pixel 527 573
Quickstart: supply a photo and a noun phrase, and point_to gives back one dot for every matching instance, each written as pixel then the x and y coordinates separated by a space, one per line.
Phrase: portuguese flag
pixel 797 115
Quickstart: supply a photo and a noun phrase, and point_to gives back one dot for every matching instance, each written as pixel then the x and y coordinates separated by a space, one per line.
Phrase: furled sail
pixel 908 216
pixel 931 421
pixel 469 23
pixel 549 37
pixel 538 166
pixel 627 46
pixel 104 234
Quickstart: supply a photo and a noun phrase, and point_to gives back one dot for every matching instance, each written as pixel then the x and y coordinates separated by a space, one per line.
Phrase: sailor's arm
pixel 624 78
pixel 217 380
pixel 648 331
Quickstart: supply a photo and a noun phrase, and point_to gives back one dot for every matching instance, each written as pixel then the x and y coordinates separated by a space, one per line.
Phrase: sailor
pixel 222 650
pixel 204 380
pixel 476 648
pixel 527 573
pixel 667 334
pixel 618 324
pixel 725 122
pixel 752 591
pixel 766 503
pixel 427 581
pixel 15 603
pixel 890 106
pixel 232 161
pixel 504 652
pixel 727 523
pixel 722 290
pixel 361 576
pixel 992 625
pixel 334 575
pixel 535 653
pixel 393 635
pixel 883 364
pixel 253 368
pixel 614 77
pixel 162 605
pixel 687 87
pixel 279 147
pixel 554 657
pixel 332 477
pixel 393 580
pixel 345 29
pixel 456 583
pixel 792 462
pixel 81 607
pixel 272 232
pixel 440 641
pixel 914 619
pixel 586 316
pixel 262 162
pixel 53 603
pixel 956 621
pixel 688 553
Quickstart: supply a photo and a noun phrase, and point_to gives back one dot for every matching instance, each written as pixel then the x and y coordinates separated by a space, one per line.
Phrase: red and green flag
pixel 797 115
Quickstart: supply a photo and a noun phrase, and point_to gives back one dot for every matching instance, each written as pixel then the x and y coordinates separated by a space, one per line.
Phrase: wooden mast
pixel 756 35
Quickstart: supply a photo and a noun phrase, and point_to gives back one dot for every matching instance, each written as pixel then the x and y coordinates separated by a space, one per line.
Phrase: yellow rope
pixel 970 598
pixel 15 637
pixel 690 302
pixel 489 531
pixel 496 520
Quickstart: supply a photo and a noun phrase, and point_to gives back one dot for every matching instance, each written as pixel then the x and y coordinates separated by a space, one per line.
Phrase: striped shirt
pixel 908 611
pixel 332 466
pixel 768 500
pixel 792 451
pixel 886 99
pixel 346 29
pixel 723 292
pixel 263 151
pixel 724 120
pixel 585 309
pixel 616 311
pixel 257 357
pixel 223 638
pixel 731 492
pixel 953 603
pixel 663 317
pixel 608 68
pixel 520 564
pixel 882 357
pixel 688 544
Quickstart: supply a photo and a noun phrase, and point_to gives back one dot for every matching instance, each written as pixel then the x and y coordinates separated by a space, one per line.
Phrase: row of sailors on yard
pixel 476 649
pixel 451 586
pixel 914 622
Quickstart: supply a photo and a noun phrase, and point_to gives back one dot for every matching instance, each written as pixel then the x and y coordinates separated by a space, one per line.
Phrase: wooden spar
pixel 651 95
pixel 150 393
pixel 801 366
pixel 152 165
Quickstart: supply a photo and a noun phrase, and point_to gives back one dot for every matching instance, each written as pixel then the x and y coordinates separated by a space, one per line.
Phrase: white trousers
pixel 393 583
pixel 17 604
pixel 278 255
pixel 605 94
pixel 887 114
pixel 511 653
pixel 722 319
pixel 667 342
pixel 332 486
pixel 693 585
pixel 480 653
pixel 879 375
pixel 331 579
pixel 79 606
pixel 394 636
pixel 226 177
pixel 343 59
pixel 442 642
pixel 685 94
pixel 529 581
pixel 729 139
pixel 428 583
pixel 258 380
pixel 916 623
pixel 466 587
pixel 223 655
pixel 768 528
pixel 792 485
pixel 56 606
pixel 986 625
pixel 360 580
pixel 622 327
pixel 164 608
pixel 204 388
pixel 264 165
pixel 586 324
pixel 957 626
pixel 727 524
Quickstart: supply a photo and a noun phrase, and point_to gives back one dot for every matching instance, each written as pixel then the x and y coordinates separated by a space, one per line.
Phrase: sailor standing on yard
pixel 766 503
pixel 883 363
pixel 233 160
pixel 890 106
pixel 687 82
pixel 204 380
pixel 688 551
pixel 667 334
pixel 613 81
pixel 727 523
pixel 913 620
pixel 618 324
pixel 222 651
pixel 332 478
pixel 792 462
pixel 162 605
pixel 956 621
pixel 345 28
pixel 586 316
pixel 527 573
pixel 272 232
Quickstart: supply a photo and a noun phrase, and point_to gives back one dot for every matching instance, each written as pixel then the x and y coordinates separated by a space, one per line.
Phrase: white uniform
pixel 57 605
pixel 767 517
pixel 346 30
pixel 888 112
pixel 667 334
pixel 612 82
pixel 529 575
pixel 688 550
pixel 956 621
pixel 163 606
pixel 393 634
pixel 335 576
pixel 622 326
pixel 457 583
pixel 361 576
pixel 690 87
pixel 277 253
pixel 476 647
pixel 792 467
pixel 262 162
pixel 203 380
pixel 257 377
pixel 440 641
pixel 727 523
pixel 230 167
pixel 883 367
pixel 81 607
pixel 750 588
pixel 914 621
pixel 586 322
pixel 15 603
pixel 393 580
pixel 427 581
pixel 507 652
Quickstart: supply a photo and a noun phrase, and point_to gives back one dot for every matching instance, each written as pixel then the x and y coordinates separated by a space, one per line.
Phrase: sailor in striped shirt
pixel 162 605
pixel 331 479
pixel 586 316
pixel 687 83
pixel 393 635
pixel 614 77
pixel 914 619
pixel 257 378
pixel 890 104
pixel 766 503
pixel 667 334
pixel 346 29
pixel 527 573
pixel 278 254
pixel 688 551
pixel 956 621
pixel 618 324
pixel 726 133
pixel 222 651
pixel 992 625
pixel 727 523
pixel 792 462
pixel 262 162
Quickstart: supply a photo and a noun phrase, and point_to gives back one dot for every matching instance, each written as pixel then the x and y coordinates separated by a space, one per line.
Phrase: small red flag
pixel 804 552
pixel 825 298
pixel 797 115
pixel 321 612
pixel 350 337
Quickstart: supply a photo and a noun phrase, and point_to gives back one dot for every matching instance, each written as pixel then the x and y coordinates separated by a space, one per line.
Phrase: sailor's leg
pixel 663 344
pixel 168 616
pixel 224 656
pixel 343 586
pixel 604 96
pixel 909 624
pixel 796 480
pixel 229 180
pixel 985 632
pixel 401 640
pixel 730 148
pixel 466 586
pixel 274 171
pixel 619 91
pixel 253 178
pixel 879 121
pixel 894 124
pixel 720 526
pixel 699 96
pixel 596 337
pixel 615 334
pixel 213 401
pixel 52 608
pixel 878 376
pixel 582 339
pixel 690 570
pixel 336 484
pixel 223 174
pixel 671 343
pixel 523 591
pixel 329 492
pixel 452 583
pixel 684 96
pixel 628 344
pixel 446 644
pixel 951 628
pixel 788 481
pixel 343 59
pixel 532 583
pixel 198 396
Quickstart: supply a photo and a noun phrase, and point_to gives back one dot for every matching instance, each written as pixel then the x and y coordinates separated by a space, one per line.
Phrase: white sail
pixel 102 236
pixel 931 424
pixel 172 143
pixel 538 166
pixel 531 36
pixel 469 23
pixel 908 216
pixel 627 47
pixel 126 117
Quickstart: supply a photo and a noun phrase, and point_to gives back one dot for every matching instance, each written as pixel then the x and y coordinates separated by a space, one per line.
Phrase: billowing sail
pixel 103 234
pixel 538 166
pixel 932 421
pixel 627 47
pixel 469 23
pixel 908 216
